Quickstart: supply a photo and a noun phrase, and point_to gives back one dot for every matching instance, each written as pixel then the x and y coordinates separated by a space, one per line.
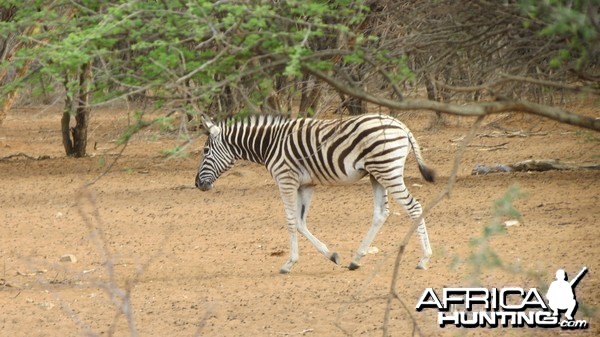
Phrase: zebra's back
pixel 341 151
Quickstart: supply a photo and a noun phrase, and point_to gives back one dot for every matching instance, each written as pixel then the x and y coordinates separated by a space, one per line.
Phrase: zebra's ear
pixel 210 127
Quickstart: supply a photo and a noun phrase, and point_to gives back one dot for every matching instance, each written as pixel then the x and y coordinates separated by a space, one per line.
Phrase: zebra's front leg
pixel 296 201
pixel 293 251
pixel 289 196
pixel 380 214
pixel 303 202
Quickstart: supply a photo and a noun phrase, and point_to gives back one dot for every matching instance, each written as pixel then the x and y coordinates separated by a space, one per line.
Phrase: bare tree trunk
pixel 433 95
pixel 75 139
pixel 83 111
pixel 65 123
pixel 355 106
pixel 310 95
pixel 271 104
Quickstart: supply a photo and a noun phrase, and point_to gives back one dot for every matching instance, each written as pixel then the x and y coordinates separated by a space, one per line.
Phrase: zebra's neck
pixel 251 139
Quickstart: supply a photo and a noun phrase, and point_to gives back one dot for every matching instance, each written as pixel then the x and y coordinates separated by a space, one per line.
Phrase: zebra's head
pixel 217 157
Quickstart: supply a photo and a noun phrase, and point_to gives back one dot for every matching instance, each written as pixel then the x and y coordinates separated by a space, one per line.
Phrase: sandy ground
pixel 181 262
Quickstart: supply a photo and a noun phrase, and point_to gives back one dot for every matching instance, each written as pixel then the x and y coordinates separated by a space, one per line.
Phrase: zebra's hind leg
pixel 424 238
pixel 380 214
pixel 303 202
pixel 399 192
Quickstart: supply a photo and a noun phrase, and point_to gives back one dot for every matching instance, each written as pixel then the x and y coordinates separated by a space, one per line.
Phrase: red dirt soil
pixel 207 263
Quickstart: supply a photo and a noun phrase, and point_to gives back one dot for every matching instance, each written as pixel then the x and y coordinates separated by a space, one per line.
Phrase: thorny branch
pixel 445 193
pixel 121 298
pixel 474 109
pixel 393 294
pixel 511 78
pixel 576 88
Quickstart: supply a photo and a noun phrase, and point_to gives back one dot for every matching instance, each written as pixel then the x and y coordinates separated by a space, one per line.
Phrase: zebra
pixel 300 153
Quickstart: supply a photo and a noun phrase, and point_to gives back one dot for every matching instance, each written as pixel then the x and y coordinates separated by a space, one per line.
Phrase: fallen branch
pixel 532 165
pixel 512 134
pixel 21 154
pixel 303 332
pixel 5 284
pixel 490 147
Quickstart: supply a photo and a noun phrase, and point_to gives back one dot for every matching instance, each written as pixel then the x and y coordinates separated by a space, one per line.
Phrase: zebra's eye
pixel 206 151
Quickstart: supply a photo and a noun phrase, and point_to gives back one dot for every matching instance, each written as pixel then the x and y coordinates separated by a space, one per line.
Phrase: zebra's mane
pixel 266 119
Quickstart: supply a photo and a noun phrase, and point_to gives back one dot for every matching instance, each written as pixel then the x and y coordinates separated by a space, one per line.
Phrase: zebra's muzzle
pixel 202 185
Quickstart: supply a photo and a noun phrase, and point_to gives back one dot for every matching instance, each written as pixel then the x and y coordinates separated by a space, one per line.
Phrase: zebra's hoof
pixel 284 271
pixel 353 266
pixel 335 258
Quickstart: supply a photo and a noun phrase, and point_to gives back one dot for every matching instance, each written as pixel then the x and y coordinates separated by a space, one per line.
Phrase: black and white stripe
pixel 300 153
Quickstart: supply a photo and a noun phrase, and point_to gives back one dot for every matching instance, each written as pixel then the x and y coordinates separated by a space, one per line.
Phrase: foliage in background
pixel 575 22
pixel 230 58
pixel 189 52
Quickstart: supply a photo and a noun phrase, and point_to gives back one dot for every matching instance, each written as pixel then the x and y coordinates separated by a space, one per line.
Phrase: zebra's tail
pixel 427 173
